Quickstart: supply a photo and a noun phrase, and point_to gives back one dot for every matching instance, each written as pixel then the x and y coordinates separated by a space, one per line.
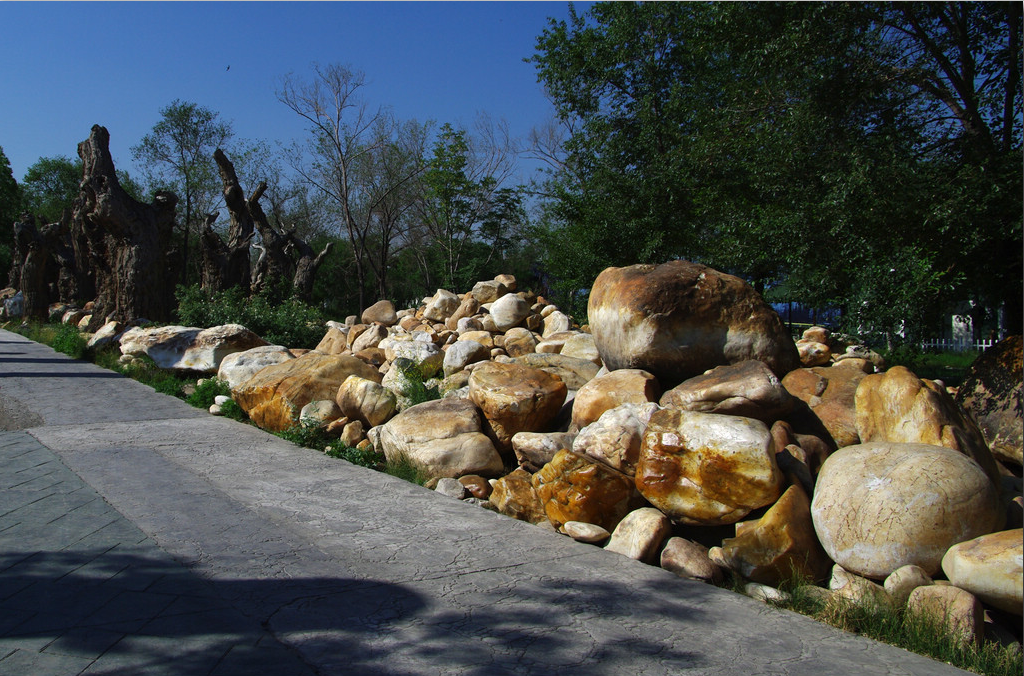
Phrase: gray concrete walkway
pixel 141 536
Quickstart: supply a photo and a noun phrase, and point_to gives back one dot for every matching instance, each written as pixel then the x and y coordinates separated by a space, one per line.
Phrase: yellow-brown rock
pixel 274 396
pixel 334 342
pixel 991 567
pixel 515 398
pixel 573 488
pixel 830 393
pixel 706 468
pixel 514 495
pixel 366 400
pixel 604 392
pixel 747 389
pixel 992 393
pixel 897 406
pixel 880 506
pixel 956 610
pixel 779 544
pixel 572 371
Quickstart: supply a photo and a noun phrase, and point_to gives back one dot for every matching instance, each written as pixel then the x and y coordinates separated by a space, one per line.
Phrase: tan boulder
pixel 368 337
pixel 367 400
pixel 857 589
pixel 482 337
pixel 603 392
pixel 183 348
pixel 238 367
pixel 640 535
pixel 990 567
pixel 690 559
pixel 573 488
pixel 575 373
pixel 614 438
pixel 705 468
pixel 319 413
pixel 515 398
pixel 381 312
pixel 335 341
pixel 519 341
pixel 952 608
pixel 992 393
pixel 779 545
pixel 880 506
pixel 813 353
pixel 275 395
pixel 556 322
pixel 508 311
pixel 830 393
pixel 535 449
pixel 461 354
pixel 817 334
pixel 581 346
pixel 897 406
pixel 679 319
pixel 514 495
pixel 105 335
pixel 488 291
pixel 441 306
pixel 905 579
pixel 554 342
pixel 747 389
pixel 467 308
pixel 585 532
pixel 443 438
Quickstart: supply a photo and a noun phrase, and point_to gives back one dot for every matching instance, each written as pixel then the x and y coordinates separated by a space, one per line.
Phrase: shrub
pixel 416 390
pixel 206 391
pixel 363 457
pixel 309 435
pixel 68 339
pixel 287 321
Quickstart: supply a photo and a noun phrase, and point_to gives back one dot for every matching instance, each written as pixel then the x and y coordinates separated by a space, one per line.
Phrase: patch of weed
pixel 363 457
pixel 207 391
pixel 307 435
pixel 68 339
pixel 403 468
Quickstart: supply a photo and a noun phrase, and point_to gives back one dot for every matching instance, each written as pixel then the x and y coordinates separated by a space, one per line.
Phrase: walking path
pixel 141 536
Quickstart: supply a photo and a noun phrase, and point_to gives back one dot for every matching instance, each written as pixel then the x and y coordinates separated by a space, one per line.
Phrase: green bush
pixel 281 321
pixel 416 389
pixel 68 339
pixel 309 435
pixel 363 457
pixel 206 391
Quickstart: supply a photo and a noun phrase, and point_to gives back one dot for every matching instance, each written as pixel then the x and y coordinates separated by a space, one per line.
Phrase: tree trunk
pixel 129 242
pixel 32 267
pixel 226 265
pixel 306 266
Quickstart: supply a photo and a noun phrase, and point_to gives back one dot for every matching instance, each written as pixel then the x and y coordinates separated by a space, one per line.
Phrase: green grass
pixel 403 468
pixel 363 457
pixel 899 627
pixel 949 367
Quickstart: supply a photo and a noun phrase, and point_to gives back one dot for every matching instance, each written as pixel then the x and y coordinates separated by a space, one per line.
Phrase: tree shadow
pixel 135 612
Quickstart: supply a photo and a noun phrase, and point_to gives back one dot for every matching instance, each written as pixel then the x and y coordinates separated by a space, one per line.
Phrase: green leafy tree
pixel 10 209
pixel 817 145
pixel 51 186
pixel 177 155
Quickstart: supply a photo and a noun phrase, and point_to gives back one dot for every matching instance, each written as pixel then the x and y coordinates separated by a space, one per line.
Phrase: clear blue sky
pixel 68 66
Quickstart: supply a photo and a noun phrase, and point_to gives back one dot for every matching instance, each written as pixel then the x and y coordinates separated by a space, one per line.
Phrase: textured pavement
pixel 141 536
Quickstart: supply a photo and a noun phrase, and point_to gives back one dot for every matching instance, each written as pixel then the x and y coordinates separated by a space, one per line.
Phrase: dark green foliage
pixel 287 321
pixel 417 390
pixel 206 392
pixel 10 210
pixel 791 142
pixel 308 435
pixel 68 339
pixel 362 457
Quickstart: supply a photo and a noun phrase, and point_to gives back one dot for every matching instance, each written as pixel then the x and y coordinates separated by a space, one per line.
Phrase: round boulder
pixel 880 506
pixel 679 319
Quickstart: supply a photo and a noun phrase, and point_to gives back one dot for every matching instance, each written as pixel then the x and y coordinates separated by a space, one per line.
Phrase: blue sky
pixel 68 66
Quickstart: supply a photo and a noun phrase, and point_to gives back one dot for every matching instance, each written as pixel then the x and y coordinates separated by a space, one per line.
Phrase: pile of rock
pixel 684 409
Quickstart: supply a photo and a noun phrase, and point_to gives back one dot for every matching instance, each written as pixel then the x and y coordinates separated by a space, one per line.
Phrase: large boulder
pixel 275 395
pixel 897 406
pixel 830 394
pixel 441 306
pixel 679 319
pixel 574 488
pixel 880 506
pixel 515 398
pixel 366 400
pixel 992 394
pixel 381 312
pixel 615 437
pixel 508 311
pixel 443 438
pixel 574 372
pixel 238 367
pixel 184 348
pixel 462 353
pixel 747 389
pixel 707 469
pixel 603 392
pixel 990 567
pixel 780 544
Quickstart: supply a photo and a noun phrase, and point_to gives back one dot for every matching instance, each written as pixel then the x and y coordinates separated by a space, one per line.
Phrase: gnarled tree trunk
pixel 226 264
pixel 129 242
pixel 306 266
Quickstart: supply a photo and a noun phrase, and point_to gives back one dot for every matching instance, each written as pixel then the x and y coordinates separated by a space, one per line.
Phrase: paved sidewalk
pixel 140 536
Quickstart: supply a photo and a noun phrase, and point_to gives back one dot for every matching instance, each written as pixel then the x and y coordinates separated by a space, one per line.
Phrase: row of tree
pixel 371 193
pixel 858 156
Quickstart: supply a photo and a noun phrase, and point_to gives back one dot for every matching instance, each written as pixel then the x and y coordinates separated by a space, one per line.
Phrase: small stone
pixel 585 532
pixel 957 610
pixel 763 592
pixel 904 580
pixel 453 488
pixel 640 534
pixel 690 559
pixel 856 588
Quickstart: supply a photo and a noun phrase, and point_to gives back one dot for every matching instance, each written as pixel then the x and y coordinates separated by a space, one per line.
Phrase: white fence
pixel 950 345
